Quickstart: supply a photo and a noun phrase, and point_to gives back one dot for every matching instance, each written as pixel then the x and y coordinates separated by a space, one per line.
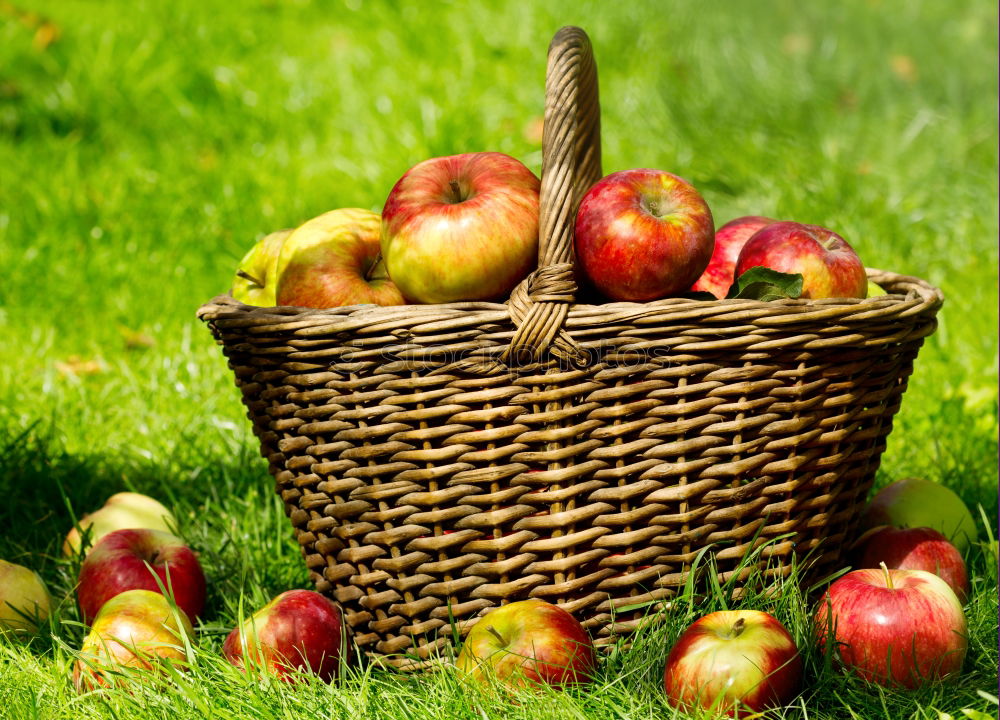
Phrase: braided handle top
pixel 571 164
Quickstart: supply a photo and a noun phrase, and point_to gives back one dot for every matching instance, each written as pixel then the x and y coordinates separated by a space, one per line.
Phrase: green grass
pixel 147 148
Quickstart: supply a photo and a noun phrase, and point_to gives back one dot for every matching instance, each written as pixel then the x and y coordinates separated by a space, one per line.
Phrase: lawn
pixel 145 145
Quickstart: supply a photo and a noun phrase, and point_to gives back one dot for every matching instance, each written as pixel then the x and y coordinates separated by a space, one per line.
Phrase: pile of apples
pixel 465 227
pixel 140 589
pixel 897 621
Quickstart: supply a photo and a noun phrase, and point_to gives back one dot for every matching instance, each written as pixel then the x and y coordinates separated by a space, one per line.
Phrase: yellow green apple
pixel 916 502
pixel 121 511
pixel 24 600
pixel 256 275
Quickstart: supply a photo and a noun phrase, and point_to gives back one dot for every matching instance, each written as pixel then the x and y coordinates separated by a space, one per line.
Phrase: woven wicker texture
pixel 429 478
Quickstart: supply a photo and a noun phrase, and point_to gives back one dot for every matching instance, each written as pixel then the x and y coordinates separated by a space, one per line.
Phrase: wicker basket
pixel 439 460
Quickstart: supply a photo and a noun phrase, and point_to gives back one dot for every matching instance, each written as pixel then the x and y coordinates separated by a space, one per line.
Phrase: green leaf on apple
pixel 763 283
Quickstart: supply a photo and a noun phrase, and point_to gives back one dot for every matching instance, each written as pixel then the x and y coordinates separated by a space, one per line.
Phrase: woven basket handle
pixel 571 163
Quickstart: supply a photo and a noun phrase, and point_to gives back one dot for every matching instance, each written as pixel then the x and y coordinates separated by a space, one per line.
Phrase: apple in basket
pixel 828 265
pixel 256 275
pixel 729 240
pixel 461 227
pixel 333 260
pixel 643 235
pixel 734 661
pixel 299 630
pixel 916 502
pixel 24 600
pixel 121 510
pixel 528 642
pixel 917 549
pixel 893 627
pixel 140 559
pixel 137 629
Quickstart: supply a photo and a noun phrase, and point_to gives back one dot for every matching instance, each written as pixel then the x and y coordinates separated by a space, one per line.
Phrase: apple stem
pixel 495 634
pixel 456 191
pixel 371 268
pixel 737 628
pixel 247 276
pixel 888 576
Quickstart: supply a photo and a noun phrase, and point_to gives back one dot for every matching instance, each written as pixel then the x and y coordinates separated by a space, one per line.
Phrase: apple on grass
pixel 140 559
pixel 332 261
pixel 915 502
pixel 729 240
pixel 828 264
pixel 120 511
pixel 255 279
pixel 733 661
pixel 137 629
pixel 461 227
pixel 893 627
pixel 917 549
pixel 24 600
pixel 528 642
pixel 299 630
pixel 643 235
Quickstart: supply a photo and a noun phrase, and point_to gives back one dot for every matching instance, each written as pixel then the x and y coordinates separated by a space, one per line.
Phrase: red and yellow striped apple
pixel 828 265
pixel 729 240
pixel 734 661
pixel 893 627
pixel 135 629
pixel 528 642
pixel 299 630
pixel 333 260
pixel 917 549
pixel 461 227
pixel 643 235
pixel 140 560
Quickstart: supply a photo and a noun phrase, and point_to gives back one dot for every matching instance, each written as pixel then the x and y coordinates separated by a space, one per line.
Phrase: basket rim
pixel 914 296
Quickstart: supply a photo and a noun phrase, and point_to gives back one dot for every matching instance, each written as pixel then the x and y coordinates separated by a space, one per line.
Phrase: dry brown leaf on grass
pixel 904 68
pixel 136 339
pixel 75 366
pixel 46 31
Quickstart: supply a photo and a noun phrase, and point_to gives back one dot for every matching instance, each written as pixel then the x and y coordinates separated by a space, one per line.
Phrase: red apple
pixel 333 260
pixel 120 511
pixel 916 502
pixel 828 265
pixel 528 642
pixel 735 661
pixel 917 549
pixel 643 235
pixel 462 227
pixel 24 600
pixel 297 630
pixel 140 560
pixel 894 627
pixel 136 629
pixel 729 240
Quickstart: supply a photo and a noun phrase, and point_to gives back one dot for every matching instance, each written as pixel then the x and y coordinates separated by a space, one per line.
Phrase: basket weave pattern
pixel 430 478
